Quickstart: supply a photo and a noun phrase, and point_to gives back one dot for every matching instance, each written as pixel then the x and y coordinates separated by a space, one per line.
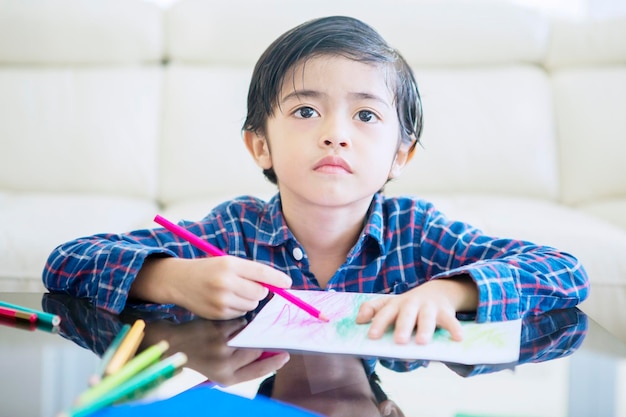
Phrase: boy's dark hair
pixel 335 35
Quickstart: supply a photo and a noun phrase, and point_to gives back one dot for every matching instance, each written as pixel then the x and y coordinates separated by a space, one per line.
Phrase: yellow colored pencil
pixel 127 348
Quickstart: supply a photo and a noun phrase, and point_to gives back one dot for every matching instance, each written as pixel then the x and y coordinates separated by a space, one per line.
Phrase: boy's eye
pixel 366 116
pixel 305 113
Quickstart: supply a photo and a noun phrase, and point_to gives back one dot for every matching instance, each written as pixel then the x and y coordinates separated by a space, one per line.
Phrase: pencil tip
pixel 323 318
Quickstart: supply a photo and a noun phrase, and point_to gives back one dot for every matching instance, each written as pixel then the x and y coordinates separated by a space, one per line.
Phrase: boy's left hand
pixel 427 306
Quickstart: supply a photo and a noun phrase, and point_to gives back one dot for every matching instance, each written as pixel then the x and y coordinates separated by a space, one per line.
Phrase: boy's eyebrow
pixel 369 96
pixel 314 93
pixel 301 93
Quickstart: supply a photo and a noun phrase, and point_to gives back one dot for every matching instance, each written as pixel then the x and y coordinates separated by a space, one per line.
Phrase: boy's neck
pixel 327 234
pixel 325 229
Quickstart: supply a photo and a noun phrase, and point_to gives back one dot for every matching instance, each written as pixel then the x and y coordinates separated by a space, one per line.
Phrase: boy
pixel 333 114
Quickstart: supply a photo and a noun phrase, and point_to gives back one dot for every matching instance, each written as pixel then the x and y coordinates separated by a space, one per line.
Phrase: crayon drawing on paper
pixel 283 326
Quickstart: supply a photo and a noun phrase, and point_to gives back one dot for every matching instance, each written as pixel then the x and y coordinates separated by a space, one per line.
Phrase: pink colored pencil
pixel 212 250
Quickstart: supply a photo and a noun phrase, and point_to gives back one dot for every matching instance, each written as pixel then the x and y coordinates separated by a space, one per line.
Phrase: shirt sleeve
pixel 514 277
pixel 103 267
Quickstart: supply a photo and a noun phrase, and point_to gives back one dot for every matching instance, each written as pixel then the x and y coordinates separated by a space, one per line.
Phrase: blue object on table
pixel 203 401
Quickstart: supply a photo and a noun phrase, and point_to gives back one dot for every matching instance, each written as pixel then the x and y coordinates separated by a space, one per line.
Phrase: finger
pixel 368 309
pixel 224 314
pixel 249 290
pixel 365 314
pixel 426 325
pixel 235 303
pixel 382 320
pixel 256 271
pixel 405 323
pixel 227 306
pixel 243 358
pixel 453 326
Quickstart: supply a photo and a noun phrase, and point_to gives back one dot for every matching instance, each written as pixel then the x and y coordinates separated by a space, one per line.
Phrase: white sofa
pixel 112 111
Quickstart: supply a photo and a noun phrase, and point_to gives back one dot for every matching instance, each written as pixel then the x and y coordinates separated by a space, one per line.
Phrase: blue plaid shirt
pixel 404 243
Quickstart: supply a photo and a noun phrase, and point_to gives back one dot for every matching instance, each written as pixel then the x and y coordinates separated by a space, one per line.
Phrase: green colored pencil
pixel 108 354
pixel 50 319
pixel 130 369
pixel 161 370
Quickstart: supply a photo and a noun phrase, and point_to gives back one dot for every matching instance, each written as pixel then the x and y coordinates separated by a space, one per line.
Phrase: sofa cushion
pixel 590 107
pixel 611 210
pixel 80 129
pixel 41 221
pixel 80 32
pixel 449 32
pixel 202 151
pixel 587 42
pixel 486 130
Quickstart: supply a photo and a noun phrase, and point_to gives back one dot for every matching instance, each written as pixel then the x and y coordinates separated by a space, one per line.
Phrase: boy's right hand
pixel 219 288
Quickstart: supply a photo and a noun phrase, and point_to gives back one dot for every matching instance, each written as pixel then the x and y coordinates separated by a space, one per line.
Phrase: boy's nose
pixel 341 143
pixel 335 135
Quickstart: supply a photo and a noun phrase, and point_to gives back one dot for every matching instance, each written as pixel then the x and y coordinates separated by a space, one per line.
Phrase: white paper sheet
pixel 282 326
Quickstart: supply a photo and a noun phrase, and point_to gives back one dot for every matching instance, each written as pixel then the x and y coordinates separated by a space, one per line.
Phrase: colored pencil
pixel 17 314
pixel 212 250
pixel 51 319
pixel 27 325
pixel 132 368
pixel 108 354
pixel 127 348
pixel 159 371
pixel 18 324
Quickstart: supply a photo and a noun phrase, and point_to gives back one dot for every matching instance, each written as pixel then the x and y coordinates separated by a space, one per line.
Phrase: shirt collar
pixel 273 230
pixel 374 221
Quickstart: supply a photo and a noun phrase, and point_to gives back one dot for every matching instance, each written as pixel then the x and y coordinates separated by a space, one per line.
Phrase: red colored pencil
pixel 17 314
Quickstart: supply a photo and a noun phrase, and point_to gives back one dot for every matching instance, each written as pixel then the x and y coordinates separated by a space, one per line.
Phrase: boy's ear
pixel 403 156
pixel 259 149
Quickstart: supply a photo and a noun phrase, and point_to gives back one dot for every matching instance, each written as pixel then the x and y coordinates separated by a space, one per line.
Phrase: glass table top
pixel 568 366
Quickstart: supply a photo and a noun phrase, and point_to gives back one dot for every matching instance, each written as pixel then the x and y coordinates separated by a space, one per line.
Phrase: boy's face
pixel 334 138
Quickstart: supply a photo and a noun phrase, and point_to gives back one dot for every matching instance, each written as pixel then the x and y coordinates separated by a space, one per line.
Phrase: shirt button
pixel 297 254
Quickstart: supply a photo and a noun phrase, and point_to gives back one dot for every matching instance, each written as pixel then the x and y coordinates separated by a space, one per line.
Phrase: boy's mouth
pixel 332 164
